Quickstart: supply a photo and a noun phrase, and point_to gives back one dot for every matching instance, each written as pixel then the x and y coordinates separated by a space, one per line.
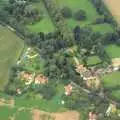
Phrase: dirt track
pixel 114 7
pixel 69 115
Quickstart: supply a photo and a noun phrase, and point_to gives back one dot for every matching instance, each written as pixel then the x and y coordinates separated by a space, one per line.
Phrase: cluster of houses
pixel 29 78
pixel 90 78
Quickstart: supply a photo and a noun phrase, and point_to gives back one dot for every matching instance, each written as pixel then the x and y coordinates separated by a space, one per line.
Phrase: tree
pixel 76 32
pixel 66 12
pixel 48 91
pixel 80 15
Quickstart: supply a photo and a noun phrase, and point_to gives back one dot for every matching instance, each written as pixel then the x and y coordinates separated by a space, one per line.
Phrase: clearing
pixel 10 49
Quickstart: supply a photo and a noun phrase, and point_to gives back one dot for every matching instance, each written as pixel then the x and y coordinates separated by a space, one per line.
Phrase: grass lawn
pixel 10 49
pixel 116 94
pixel 93 60
pixel 102 28
pixel 6 112
pixel 113 51
pixel 90 13
pixel 23 115
pixel 45 24
pixel 42 103
pixel 112 81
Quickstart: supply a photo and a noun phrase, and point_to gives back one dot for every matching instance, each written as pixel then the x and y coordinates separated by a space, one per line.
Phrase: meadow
pixel 112 82
pixel 91 14
pixel 10 49
pixel 45 24
pixel 113 51
pixel 93 60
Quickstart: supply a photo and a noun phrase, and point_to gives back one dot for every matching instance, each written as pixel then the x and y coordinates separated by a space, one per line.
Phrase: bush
pixel 99 21
pixel 66 12
pixel 80 15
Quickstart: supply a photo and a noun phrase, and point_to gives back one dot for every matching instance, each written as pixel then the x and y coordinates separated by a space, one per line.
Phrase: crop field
pixel 113 51
pixel 114 7
pixel 10 49
pixel 45 24
pixel 112 82
pixel 91 14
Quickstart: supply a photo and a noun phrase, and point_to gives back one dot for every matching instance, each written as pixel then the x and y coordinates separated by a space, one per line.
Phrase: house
pixel 93 81
pixel 92 116
pixel 68 89
pixel 41 79
pixel 27 77
pixel 111 109
pixel 80 68
pixel 18 90
pixel 116 64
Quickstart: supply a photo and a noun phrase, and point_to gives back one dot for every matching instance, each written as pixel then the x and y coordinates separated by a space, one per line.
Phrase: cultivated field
pixel 10 49
pixel 114 7
pixel 91 13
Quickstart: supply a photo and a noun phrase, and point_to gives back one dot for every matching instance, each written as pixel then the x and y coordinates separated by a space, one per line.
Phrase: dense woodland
pixel 52 46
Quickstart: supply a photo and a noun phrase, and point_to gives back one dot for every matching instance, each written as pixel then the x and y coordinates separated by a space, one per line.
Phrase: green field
pixel 90 13
pixel 45 24
pixel 93 60
pixel 111 81
pixel 10 49
pixel 113 51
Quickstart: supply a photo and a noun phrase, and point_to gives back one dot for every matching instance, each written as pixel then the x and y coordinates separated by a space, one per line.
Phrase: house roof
pixel 92 116
pixel 26 76
pixel 68 89
pixel 80 68
pixel 41 79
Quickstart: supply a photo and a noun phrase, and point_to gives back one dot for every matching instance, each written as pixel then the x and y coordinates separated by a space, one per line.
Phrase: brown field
pixel 40 115
pixel 114 7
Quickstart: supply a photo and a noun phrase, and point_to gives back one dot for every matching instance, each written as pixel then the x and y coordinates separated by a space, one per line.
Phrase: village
pixel 91 77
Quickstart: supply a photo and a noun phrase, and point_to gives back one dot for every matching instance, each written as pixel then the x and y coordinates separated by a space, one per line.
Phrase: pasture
pixel 91 14
pixel 113 51
pixel 45 24
pixel 10 49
